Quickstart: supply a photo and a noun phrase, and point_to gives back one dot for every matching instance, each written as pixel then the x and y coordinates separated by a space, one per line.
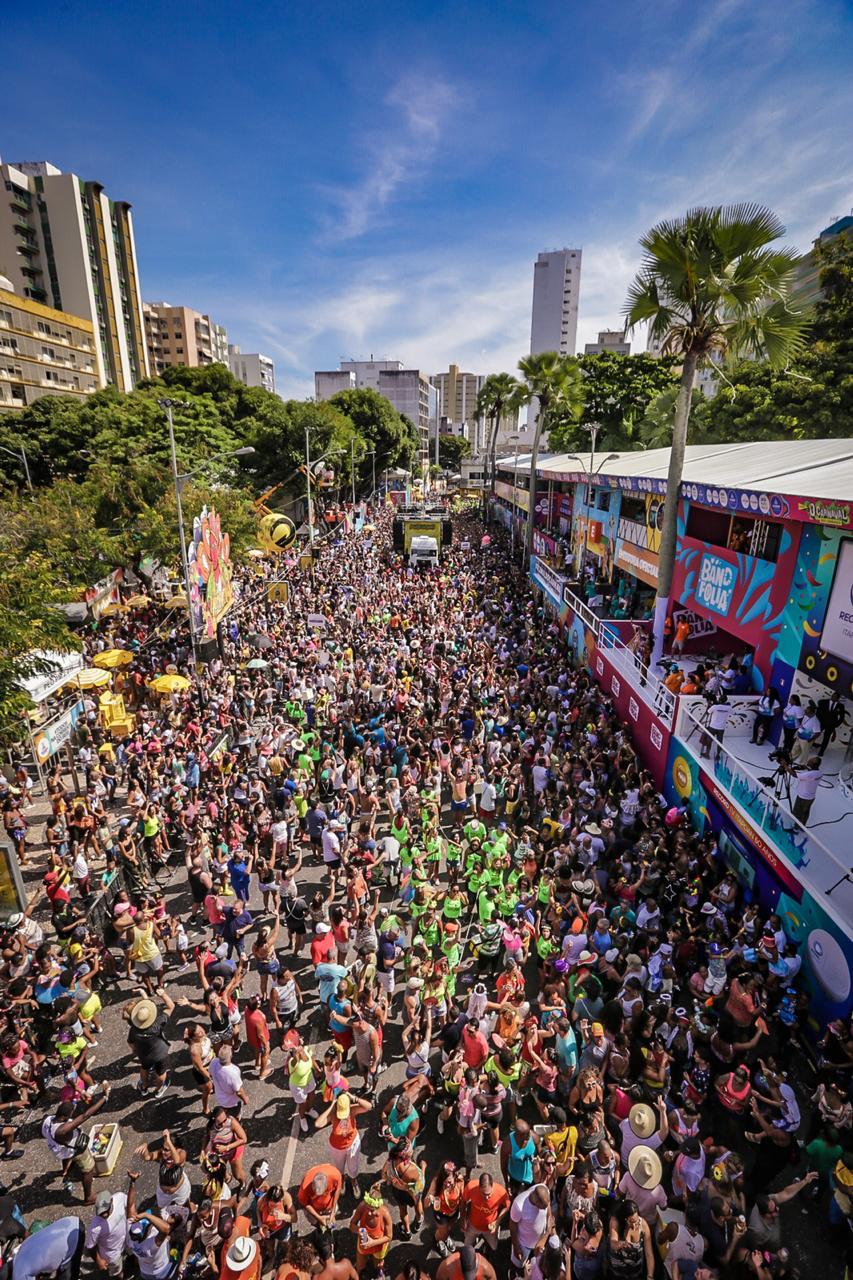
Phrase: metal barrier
pixel 642 679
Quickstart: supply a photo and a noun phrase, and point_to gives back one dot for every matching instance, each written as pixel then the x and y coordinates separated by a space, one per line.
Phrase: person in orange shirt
pixel 371 1223
pixel 258 1036
pixel 276 1220
pixel 344 1138
pixel 675 680
pixel 238 1259
pixel 485 1202
pixel 319 1193
pixel 682 631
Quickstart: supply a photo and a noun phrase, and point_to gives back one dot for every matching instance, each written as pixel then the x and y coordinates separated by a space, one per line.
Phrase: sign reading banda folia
pixel 716 584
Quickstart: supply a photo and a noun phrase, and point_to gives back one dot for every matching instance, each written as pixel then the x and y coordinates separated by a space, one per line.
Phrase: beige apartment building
pixel 179 335
pixel 43 352
pixel 68 247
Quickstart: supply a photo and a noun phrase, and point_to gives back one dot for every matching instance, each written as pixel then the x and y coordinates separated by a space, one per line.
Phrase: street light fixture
pixel 22 455
pixel 590 471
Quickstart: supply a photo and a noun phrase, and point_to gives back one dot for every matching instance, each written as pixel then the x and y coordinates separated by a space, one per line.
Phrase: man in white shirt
pixel 808 781
pixel 107 1231
pixel 529 1222
pixel 227 1080
pixel 718 717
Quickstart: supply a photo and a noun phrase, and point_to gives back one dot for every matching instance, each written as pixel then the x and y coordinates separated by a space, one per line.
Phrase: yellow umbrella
pixel 136 602
pixel 256 553
pixel 112 658
pixel 176 602
pixel 91 678
pixel 110 610
pixel 169 684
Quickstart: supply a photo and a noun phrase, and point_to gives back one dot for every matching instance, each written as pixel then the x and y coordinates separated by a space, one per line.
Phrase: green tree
pixel 500 395
pixel 555 382
pixel 30 626
pixel 654 430
pixel 710 282
pixel 812 397
pixel 378 424
pixel 617 390
pixel 451 451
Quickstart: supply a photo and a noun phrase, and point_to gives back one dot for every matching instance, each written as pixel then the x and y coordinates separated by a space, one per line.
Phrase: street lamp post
pixel 373 470
pixel 590 471
pixel 22 454
pixel 352 470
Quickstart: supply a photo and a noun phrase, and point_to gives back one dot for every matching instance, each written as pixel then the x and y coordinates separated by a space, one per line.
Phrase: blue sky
pixel 333 181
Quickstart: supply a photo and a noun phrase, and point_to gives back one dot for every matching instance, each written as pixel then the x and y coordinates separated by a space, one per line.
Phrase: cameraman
pixel 808 781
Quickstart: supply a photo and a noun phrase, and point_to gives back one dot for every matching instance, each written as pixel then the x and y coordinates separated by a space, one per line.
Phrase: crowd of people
pixel 409 868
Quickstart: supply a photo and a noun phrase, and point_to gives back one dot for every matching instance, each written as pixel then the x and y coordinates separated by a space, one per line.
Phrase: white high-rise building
pixel 251 368
pixel 556 292
pixel 65 245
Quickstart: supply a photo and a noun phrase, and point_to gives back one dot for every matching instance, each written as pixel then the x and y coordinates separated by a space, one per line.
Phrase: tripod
pixel 780 783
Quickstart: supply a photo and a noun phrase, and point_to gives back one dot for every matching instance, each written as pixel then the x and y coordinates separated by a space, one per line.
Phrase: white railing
pixel 771 814
pixel 642 679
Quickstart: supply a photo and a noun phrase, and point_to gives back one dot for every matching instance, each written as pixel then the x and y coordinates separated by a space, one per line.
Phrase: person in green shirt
pixel 507 898
pixel 823 1154
pixel 487 904
pixel 454 904
pixel 453 854
pixel 429 928
pixel 474 829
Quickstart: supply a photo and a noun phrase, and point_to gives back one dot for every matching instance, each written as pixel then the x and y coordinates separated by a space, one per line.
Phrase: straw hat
pixel 143 1014
pixel 242 1253
pixel 644 1167
pixel 642 1120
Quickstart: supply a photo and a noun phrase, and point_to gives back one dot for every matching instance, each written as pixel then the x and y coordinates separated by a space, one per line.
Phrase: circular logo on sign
pixel 753 502
pixel 744 500
pixel 776 505
pixel 763 503
pixel 681 777
pixel 41 742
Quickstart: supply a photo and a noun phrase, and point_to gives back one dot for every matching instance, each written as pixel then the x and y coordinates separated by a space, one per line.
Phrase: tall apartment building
pixel 367 372
pixel 251 368
pixel 458 393
pixel 328 382
pixel 556 293
pixel 43 352
pixel 66 246
pixel 412 394
pixel 609 340
pixel 179 335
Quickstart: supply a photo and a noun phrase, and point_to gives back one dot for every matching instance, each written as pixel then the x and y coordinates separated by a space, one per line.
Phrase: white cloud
pixel 398 157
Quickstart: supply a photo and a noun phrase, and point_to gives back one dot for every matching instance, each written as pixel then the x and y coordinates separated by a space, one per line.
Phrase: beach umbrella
pixel 91 678
pixel 178 601
pixel 257 664
pixel 112 658
pixel 259 641
pixel 169 684
pixel 138 602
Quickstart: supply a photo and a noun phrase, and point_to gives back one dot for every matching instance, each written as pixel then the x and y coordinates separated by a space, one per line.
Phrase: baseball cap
pixel 103 1203
pixel 597 1029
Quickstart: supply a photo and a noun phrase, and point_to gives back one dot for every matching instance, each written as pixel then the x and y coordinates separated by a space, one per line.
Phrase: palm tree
pixel 555 382
pixel 498 396
pixel 709 284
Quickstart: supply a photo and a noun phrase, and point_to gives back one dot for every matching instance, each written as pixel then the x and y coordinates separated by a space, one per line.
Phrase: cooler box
pixel 105 1144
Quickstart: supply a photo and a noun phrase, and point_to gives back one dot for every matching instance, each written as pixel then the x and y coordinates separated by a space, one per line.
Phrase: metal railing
pixel 766 807
pixel 642 679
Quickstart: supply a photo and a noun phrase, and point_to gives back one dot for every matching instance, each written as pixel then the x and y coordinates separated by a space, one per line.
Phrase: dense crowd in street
pixel 597 1031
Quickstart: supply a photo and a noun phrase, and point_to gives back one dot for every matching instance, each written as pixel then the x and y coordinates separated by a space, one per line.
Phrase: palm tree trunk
pixel 487 456
pixel 531 489
pixel 669 533
pixel 493 445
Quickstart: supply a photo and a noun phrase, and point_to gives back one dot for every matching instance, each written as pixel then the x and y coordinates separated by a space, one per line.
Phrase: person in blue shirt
pixel 517 1153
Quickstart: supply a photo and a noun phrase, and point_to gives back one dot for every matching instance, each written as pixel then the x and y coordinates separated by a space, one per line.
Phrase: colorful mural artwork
pixel 650 734
pixel 813 637
pixel 742 595
pixel 768 878
pixel 210 573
